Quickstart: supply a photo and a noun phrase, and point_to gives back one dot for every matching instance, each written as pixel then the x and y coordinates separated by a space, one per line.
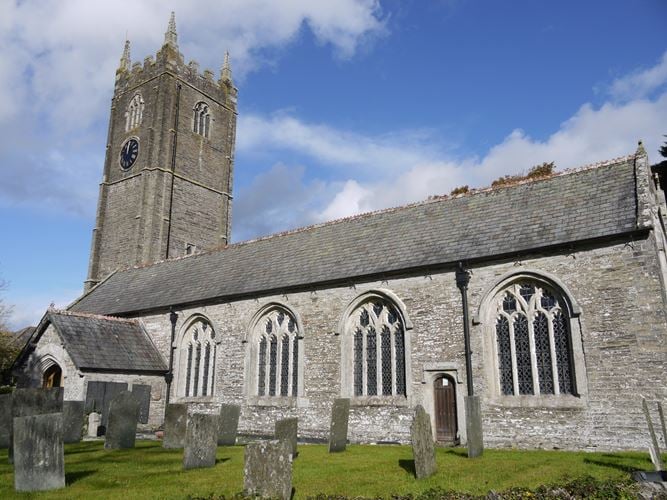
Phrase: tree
pixel 663 149
pixel 9 348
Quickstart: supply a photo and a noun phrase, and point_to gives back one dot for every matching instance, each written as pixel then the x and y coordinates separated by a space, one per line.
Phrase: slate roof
pixel 105 344
pixel 589 203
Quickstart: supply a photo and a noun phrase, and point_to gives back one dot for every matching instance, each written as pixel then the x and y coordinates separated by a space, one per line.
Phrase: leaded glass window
pixel 135 112
pixel 277 349
pixel 201 119
pixel 196 369
pixel 533 342
pixel 378 349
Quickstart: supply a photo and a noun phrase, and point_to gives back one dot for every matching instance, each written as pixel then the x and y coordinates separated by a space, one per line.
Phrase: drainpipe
pixel 472 402
pixel 169 377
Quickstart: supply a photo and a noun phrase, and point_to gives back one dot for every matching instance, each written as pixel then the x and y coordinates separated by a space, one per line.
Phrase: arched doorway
pixel 444 396
pixel 52 376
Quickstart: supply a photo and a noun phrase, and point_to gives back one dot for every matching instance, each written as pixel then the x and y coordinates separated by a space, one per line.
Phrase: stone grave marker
pixel 122 421
pixel 72 421
pixel 36 401
pixel 39 455
pixel 200 440
pixel 175 421
pixel 423 448
pixel 287 430
pixel 654 449
pixel 94 421
pixel 267 470
pixel 229 424
pixel 5 420
pixel 662 423
pixel 340 415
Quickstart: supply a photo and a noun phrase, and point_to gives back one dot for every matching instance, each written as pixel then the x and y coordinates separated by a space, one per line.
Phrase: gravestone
pixel 286 430
pixel 267 470
pixel 340 415
pixel 175 420
pixel 94 420
pixel 36 401
pixel 662 423
pixel 72 421
pixel 121 430
pixel 423 448
pixel 200 440
pixel 143 395
pixel 654 449
pixel 229 424
pixel 5 420
pixel 99 396
pixel 39 455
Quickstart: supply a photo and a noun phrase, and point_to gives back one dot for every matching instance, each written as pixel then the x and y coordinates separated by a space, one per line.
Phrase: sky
pixel 345 106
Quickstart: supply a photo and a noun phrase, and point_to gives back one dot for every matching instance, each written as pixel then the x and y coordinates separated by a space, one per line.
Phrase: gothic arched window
pixel 275 348
pixel 533 341
pixel 196 354
pixel 378 349
pixel 134 113
pixel 201 119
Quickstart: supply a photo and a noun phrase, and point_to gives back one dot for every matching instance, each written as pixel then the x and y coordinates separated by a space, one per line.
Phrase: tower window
pixel 201 119
pixel 134 113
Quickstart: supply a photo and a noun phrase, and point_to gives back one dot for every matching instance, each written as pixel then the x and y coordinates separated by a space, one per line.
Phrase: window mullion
pixel 552 348
pixel 530 316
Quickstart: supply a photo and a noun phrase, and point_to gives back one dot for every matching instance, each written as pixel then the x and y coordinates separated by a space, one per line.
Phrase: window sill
pixel 278 401
pixel 542 401
pixel 378 401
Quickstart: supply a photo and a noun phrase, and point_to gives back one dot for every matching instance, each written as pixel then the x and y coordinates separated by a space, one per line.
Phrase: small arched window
pixel 134 113
pixel 275 348
pixel 197 354
pixel 378 349
pixel 201 119
pixel 533 341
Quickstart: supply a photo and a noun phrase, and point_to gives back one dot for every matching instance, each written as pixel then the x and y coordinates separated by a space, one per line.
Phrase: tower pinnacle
pixel 226 71
pixel 125 61
pixel 170 37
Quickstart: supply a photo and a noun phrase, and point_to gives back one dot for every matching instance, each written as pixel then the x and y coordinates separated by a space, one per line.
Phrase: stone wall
pixel 623 342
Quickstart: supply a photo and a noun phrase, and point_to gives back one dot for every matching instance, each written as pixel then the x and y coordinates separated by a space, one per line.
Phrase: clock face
pixel 129 153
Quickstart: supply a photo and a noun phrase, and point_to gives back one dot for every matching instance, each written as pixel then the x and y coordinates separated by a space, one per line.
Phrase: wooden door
pixel 52 377
pixel 444 393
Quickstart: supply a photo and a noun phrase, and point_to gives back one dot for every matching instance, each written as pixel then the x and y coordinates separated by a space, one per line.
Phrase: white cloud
pixel 641 83
pixel 28 309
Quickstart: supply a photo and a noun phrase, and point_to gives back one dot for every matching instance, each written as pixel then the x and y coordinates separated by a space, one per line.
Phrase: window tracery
pixel 197 353
pixel 532 340
pixel 201 119
pixel 134 113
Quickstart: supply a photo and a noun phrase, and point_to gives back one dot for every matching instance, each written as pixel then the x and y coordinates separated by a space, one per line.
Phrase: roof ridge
pixel 63 312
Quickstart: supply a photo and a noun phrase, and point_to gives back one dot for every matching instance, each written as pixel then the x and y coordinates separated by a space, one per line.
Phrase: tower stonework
pixel 167 181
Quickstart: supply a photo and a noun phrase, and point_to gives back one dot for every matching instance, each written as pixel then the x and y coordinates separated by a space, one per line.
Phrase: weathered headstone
pixel 340 415
pixel 94 420
pixel 98 399
pixel 39 455
pixel 662 423
pixel 122 421
pixel 474 431
pixel 175 421
pixel 229 424
pixel 5 420
pixel 200 441
pixel 287 430
pixel 653 443
pixel 36 401
pixel 267 470
pixel 72 421
pixel 143 394
pixel 423 448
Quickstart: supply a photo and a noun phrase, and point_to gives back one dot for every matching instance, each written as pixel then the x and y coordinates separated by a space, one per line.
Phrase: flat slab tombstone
pixel 39 455
pixel 423 448
pixel 72 421
pixel 229 424
pixel 340 416
pixel 5 420
pixel 200 440
pixel 267 470
pixel 175 421
pixel 286 430
pixel 122 421
pixel 36 401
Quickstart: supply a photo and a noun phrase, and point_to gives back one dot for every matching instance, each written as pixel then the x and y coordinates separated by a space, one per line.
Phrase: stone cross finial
pixel 170 37
pixel 226 71
pixel 125 61
pixel 640 149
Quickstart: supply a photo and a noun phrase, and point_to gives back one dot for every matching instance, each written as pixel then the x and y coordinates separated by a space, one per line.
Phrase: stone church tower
pixel 167 181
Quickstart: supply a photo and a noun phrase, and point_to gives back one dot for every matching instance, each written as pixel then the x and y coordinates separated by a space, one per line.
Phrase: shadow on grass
pixel 221 460
pixel 459 452
pixel 73 477
pixel 612 465
pixel 408 465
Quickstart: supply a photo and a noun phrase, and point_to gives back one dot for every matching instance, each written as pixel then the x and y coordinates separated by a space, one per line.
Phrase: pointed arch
pixel 195 348
pixel 135 112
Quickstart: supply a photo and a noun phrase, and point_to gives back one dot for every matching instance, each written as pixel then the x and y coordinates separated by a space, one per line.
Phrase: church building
pixel 563 276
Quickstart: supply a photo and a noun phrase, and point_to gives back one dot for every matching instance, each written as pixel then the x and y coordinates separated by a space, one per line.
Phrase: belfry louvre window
pixel 201 119
pixel 134 113
pixel 533 341
pixel 277 341
pixel 378 350
pixel 197 355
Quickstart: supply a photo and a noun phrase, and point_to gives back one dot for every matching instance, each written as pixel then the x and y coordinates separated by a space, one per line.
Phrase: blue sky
pixel 344 106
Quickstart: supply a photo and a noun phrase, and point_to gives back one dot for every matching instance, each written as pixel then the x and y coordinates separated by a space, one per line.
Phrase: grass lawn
pixel 149 471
